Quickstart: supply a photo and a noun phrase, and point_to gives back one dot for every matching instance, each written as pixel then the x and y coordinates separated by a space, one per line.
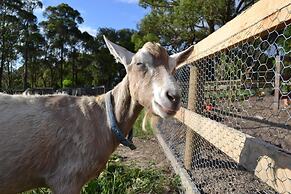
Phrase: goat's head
pixel 150 74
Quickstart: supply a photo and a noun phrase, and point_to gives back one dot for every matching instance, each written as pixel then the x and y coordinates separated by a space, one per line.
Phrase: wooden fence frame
pixel 269 163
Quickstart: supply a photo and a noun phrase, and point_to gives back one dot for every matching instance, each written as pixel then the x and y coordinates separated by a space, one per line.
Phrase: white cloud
pixel 88 29
pixel 129 1
pixel 38 12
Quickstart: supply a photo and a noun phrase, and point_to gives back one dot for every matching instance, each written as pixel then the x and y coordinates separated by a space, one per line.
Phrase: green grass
pixel 137 128
pixel 119 178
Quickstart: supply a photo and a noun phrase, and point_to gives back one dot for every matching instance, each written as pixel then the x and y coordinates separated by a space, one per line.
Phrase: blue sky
pixel 116 14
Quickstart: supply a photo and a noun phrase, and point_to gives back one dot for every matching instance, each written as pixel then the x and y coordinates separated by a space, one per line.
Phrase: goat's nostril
pixel 172 96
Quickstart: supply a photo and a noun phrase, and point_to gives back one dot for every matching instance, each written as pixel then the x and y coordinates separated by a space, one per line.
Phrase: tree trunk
pixel 35 79
pixel 2 60
pixel 76 77
pixel 211 26
pixel 228 16
pixel 1 69
pixel 31 75
pixel 52 76
pixel 25 84
pixel 43 81
pixel 9 75
pixel 74 72
pixel 2 49
pixel 61 69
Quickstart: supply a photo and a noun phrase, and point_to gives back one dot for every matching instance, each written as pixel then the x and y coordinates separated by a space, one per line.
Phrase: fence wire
pixel 246 87
pixel 212 171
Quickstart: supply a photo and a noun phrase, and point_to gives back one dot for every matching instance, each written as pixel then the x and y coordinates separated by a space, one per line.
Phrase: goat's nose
pixel 173 96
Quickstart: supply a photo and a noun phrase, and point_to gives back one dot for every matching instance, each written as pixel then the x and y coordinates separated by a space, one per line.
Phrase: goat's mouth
pixel 168 111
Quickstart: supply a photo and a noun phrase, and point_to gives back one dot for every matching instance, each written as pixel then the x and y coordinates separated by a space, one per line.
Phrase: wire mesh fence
pixel 212 171
pixel 247 88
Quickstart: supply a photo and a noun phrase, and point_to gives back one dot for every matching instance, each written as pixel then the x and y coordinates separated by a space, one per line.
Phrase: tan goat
pixel 62 142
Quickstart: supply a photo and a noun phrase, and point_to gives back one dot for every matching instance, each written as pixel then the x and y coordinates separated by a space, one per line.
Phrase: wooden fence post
pixel 192 105
pixel 277 84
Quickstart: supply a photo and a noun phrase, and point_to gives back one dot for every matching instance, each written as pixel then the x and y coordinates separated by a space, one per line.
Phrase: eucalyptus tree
pixel 82 57
pixel 61 29
pixel 179 23
pixel 106 73
pixel 9 32
pixel 30 34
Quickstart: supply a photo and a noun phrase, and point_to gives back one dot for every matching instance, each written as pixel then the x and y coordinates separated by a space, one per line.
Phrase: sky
pixel 115 14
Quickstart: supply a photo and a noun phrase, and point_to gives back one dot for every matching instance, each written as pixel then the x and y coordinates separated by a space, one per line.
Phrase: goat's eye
pixel 139 63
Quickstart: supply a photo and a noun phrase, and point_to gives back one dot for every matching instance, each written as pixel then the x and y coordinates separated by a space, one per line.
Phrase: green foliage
pixel 140 40
pixel 67 83
pixel 61 30
pixel 63 51
pixel 38 191
pixel 108 72
pixel 179 23
pixel 239 94
pixel 286 88
pixel 119 178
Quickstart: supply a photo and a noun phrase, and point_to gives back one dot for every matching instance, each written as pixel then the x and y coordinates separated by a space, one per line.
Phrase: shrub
pixel 67 83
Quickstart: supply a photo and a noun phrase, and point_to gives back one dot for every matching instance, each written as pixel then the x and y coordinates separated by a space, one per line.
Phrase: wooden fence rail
pixel 270 164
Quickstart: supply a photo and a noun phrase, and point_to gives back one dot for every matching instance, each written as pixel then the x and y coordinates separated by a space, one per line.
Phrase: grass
pixel 137 128
pixel 119 178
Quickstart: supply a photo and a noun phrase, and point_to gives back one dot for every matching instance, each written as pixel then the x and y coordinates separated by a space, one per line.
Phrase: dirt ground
pixel 257 118
pixel 148 154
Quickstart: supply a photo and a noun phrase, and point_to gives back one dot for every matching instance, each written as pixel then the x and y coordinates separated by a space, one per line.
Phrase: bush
pixel 67 83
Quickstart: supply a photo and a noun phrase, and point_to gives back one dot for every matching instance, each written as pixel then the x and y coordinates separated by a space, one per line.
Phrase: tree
pixel 179 23
pixel 61 31
pixel 106 72
pixel 9 28
pixel 30 34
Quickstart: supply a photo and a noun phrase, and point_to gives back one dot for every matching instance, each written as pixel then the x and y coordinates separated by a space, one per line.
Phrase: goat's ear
pixel 120 54
pixel 179 58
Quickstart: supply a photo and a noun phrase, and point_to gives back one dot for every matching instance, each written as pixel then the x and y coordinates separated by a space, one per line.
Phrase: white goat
pixel 62 142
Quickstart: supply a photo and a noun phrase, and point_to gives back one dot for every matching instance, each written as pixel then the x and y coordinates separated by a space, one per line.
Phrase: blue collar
pixel 113 124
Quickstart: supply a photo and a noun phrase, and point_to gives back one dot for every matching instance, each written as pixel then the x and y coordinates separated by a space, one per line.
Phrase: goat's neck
pixel 125 109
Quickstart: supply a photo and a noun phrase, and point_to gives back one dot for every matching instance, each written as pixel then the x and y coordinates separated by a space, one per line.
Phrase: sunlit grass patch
pixel 137 128
pixel 119 178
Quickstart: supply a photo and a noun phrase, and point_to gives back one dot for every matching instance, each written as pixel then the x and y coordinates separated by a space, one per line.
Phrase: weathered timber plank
pixel 190 188
pixel 269 163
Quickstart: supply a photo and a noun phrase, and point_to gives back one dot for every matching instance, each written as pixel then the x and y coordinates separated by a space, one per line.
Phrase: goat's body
pixel 53 141
pixel 62 142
